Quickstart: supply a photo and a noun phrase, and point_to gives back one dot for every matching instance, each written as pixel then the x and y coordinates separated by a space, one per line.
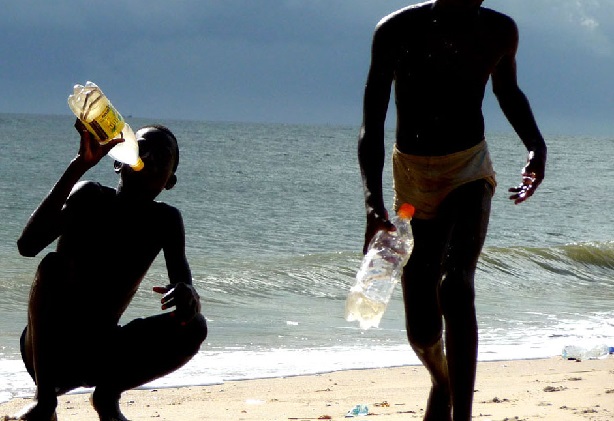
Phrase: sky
pixel 280 61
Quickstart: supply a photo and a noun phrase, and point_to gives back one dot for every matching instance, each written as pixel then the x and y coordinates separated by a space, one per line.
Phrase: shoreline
pixel 544 389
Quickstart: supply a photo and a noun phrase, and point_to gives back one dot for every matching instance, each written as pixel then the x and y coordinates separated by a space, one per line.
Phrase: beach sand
pixel 549 389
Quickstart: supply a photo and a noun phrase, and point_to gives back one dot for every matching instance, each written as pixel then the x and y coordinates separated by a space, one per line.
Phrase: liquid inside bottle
pixel 104 122
pixel 381 269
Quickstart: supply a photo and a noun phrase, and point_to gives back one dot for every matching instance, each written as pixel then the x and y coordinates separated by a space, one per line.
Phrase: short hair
pixel 171 136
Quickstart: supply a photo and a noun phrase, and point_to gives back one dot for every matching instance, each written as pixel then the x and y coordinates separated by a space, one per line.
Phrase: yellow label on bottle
pixel 107 125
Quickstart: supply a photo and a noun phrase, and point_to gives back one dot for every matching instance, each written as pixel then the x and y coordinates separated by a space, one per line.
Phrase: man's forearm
pixel 371 155
pixel 517 110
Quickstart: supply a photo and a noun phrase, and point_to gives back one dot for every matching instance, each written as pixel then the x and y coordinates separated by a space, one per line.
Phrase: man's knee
pixel 189 337
pixel 53 263
pixel 457 292
pixel 424 324
pixel 423 318
pixel 420 338
pixel 197 333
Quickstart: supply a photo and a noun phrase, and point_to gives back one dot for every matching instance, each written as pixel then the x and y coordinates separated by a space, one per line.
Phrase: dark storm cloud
pixel 275 61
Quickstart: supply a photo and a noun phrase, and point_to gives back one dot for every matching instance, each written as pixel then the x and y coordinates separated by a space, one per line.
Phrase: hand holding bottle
pixel 90 150
pixel 376 222
pixel 381 269
pixel 105 123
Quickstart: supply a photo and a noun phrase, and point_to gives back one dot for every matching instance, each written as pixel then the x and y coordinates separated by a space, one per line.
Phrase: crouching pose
pixel 106 241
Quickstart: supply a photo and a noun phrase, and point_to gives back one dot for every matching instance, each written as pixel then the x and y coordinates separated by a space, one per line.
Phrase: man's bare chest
pixel 447 53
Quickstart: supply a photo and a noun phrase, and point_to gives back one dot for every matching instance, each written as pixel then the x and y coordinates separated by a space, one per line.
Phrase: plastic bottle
pixel 381 269
pixel 358 411
pixel 574 352
pixel 104 122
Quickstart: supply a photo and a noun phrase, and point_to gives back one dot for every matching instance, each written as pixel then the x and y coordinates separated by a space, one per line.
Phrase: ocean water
pixel 274 222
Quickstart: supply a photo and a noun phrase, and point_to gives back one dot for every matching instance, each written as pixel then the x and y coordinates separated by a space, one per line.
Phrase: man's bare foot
pixel 438 407
pixel 37 411
pixel 107 408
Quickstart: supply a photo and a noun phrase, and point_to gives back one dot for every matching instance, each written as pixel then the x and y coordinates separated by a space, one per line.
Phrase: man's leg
pixel 142 351
pixel 423 317
pixel 45 336
pixel 468 207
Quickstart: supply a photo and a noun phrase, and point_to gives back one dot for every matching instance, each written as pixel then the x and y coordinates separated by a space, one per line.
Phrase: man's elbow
pixel 25 248
pixel 508 94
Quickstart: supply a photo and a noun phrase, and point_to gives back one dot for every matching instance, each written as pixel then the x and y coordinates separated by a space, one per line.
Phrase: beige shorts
pixel 425 181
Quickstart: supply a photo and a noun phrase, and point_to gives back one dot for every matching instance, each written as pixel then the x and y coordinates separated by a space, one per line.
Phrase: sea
pixel 274 219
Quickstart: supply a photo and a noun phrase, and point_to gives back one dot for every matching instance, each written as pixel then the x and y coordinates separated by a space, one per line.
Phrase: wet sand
pixel 550 389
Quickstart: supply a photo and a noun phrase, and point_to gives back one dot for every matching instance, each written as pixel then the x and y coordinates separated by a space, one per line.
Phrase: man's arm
pixel 43 226
pixel 517 110
pixel 179 293
pixel 371 148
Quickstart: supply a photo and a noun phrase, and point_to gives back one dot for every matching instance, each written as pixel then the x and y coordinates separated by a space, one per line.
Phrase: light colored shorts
pixel 425 181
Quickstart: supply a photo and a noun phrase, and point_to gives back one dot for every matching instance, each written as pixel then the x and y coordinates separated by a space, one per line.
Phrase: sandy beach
pixel 549 389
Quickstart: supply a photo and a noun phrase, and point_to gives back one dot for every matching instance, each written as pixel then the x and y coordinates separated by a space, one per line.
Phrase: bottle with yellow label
pixel 104 122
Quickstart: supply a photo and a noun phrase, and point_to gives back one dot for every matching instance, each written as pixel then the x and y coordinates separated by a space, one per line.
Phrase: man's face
pixel 158 154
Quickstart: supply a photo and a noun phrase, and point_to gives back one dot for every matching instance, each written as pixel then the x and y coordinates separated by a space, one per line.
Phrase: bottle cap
pixel 139 165
pixel 406 211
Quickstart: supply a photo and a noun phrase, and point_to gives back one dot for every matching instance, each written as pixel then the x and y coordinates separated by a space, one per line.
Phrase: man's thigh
pixel 467 212
pixel 161 336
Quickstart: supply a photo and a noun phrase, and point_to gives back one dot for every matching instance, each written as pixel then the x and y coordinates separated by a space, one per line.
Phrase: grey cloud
pixel 272 60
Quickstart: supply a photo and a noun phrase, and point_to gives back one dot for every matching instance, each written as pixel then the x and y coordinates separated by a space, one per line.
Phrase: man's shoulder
pixel 167 218
pixel 500 27
pixel 403 21
pixel 495 18
pixel 401 16
pixel 166 211
pixel 165 206
pixel 89 189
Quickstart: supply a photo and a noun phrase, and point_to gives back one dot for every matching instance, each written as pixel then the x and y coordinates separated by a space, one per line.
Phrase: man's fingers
pixel 168 304
pixel 522 193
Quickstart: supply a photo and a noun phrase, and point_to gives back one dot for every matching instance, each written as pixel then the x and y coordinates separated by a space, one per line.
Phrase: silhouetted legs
pixel 63 347
pixel 438 287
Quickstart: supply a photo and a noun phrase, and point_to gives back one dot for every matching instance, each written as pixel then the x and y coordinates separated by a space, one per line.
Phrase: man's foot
pixel 438 407
pixel 107 408
pixel 37 411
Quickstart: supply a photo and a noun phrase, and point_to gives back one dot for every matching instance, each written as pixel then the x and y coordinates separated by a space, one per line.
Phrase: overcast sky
pixel 289 61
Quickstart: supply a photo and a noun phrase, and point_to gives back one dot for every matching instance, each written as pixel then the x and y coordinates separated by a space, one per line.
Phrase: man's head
pixel 159 151
pixel 458 4
pixel 163 130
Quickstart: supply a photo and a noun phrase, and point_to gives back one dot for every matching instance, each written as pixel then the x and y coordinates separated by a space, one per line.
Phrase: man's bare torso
pixel 441 64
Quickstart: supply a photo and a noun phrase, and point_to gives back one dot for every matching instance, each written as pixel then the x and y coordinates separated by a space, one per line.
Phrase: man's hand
pixel 375 223
pixel 183 297
pixel 90 150
pixel 532 177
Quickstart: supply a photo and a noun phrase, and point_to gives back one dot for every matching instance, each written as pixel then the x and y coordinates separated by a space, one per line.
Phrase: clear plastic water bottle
pixel 381 269
pixel 104 122
pixel 574 352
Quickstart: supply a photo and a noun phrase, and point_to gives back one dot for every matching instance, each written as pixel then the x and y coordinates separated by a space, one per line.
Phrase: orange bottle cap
pixel 139 165
pixel 406 211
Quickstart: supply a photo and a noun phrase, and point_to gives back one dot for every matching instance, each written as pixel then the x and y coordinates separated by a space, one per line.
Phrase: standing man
pixel 440 55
